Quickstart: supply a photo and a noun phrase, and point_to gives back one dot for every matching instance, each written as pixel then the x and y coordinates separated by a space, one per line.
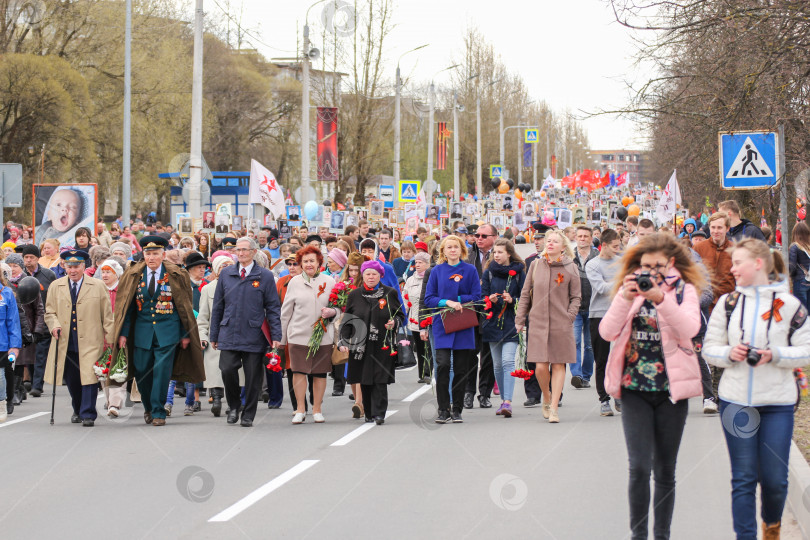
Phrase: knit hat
pixel 372 265
pixel 121 246
pixel 339 256
pixel 15 258
pixel 30 249
pixel 221 252
pixel 424 257
pixel 219 261
pixel 8 244
pixel 112 265
pixel 421 245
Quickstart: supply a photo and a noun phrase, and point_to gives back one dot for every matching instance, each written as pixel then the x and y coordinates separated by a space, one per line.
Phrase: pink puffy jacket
pixel 678 324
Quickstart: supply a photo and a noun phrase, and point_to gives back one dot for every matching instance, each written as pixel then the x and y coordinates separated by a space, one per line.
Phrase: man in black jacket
pixel 581 371
pixel 480 253
pixel 740 228
pixel 31 255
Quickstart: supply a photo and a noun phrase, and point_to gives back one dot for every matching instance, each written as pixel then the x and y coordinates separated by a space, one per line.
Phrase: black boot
pixel 18 391
pixel 216 405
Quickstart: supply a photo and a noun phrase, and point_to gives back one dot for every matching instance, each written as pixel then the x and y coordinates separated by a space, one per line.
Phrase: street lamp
pixel 397 115
pixel 503 148
pixel 456 157
pixel 306 54
pixel 431 100
pixel 478 165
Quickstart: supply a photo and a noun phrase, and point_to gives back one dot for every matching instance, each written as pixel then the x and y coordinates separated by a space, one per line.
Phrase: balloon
pixel 802 213
pixel 628 200
pixel 519 194
pixel 28 290
pixel 495 183
pixel 621 213
pixel 542 194
pixel 327 202
pixel 311 209
pixel 573 192
pixel 633 210
pixel 503 187
pixel 510 183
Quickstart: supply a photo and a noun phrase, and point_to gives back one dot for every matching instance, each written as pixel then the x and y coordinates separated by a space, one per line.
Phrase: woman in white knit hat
pixel 213 376
pixel 110 274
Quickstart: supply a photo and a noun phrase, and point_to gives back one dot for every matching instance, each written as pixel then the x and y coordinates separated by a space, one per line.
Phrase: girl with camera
pixel 653 368
pixel 758 333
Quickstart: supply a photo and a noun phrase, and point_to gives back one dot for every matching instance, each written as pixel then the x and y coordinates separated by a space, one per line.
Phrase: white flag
pixel 670 199
pixel 265 190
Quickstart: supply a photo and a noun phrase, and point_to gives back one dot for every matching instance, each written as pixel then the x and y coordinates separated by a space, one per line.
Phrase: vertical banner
pixel 553 166
pixel 527 155
pixel 441 146
pixel 327 144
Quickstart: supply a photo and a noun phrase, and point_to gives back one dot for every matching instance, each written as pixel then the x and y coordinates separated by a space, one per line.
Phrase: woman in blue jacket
pixel 10 340
pixel 452 282
pixel 502 282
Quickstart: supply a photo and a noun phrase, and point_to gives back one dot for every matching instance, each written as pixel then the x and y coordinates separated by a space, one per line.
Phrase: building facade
pixel 632 162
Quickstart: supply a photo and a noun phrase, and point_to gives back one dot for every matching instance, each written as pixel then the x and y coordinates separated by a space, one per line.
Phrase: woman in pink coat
pixel 653 368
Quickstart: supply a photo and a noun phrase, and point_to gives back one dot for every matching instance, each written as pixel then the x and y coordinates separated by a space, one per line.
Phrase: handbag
pixel 339 357
pixel 455 321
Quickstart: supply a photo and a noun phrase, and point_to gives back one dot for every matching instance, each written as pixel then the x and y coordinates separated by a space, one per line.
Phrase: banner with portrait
pixel 60 209
pixel 327 148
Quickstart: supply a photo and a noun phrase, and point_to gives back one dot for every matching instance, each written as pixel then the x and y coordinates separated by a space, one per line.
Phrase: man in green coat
pixel 153 315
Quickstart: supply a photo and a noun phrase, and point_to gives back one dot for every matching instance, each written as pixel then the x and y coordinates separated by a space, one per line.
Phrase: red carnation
pixel 386 348
pixel 409 305
pixel 405 296
pixel 489 315
pixel 512 273
pixel 429 321
pixel 393 353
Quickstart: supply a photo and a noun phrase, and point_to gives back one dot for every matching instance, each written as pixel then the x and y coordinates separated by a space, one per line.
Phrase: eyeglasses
pixel 242 250
pixel 483 235
pixel 291 263
pixel 657 268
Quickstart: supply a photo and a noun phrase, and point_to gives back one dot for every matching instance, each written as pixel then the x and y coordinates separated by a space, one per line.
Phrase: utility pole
pixel 195 160
pixel 305 113
pixel 502 154
pixel 478 166
pixel 397 117
pixel 783 206
pixel 126 202
pixel 456 160
pixel 431 99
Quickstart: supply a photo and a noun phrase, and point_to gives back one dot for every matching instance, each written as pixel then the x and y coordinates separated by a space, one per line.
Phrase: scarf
pixel 13 279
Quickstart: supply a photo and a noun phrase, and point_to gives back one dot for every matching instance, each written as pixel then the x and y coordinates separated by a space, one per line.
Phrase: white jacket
pixel 771 383
pixel 413 288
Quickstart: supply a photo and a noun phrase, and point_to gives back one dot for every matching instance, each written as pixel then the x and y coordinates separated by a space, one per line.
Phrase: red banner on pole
pixel 327 144
pixel 441 146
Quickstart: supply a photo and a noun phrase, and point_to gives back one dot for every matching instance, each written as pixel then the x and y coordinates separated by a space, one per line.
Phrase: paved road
pixel 410 478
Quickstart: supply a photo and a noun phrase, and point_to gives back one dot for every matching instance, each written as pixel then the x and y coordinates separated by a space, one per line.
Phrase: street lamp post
pixel 397 138
pixel 431 104
pixel 305 56
pixel 195 157
pixel 502 155
pixel 456 172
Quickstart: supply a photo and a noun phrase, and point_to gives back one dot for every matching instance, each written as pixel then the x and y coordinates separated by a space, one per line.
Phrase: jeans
pixel 801 290
pixel 758 440
pixel 653 427
pixel 582 332
pixel 503 359
pixel 189 393
pixel 2 384
pixel 601 351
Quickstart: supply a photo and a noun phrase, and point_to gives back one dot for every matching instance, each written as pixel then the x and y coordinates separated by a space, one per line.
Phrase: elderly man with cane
pixel 81 306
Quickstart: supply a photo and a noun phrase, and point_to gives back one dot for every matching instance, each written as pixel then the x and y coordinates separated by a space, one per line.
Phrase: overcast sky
pixel 577 40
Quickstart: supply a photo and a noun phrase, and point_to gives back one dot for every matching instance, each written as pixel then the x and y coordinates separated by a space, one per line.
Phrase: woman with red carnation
pixel 368 333
pixel 352 278
pixel 550 299
pixel 411 291
pixel 501 284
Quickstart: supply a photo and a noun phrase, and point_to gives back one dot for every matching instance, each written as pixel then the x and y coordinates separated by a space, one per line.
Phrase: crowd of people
pixel 652 316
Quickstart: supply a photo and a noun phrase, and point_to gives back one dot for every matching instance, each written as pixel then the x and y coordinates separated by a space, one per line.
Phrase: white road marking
pixel 346 439
pixel 23 419
pixel 258 494
pixel 416 394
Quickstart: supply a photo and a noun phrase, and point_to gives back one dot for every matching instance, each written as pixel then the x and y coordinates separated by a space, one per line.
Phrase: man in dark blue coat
pixel 245 298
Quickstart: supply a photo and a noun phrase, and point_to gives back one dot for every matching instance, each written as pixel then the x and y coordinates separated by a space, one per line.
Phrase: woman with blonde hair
pixel 452 283
pixel 758 334
pixel 653 368
pixel 550 300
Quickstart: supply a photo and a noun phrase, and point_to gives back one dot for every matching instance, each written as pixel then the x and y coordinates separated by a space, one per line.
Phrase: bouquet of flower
pixel 102 366
pixel 273 361
pixel 118 372
pixel 521 371
pixel 337 300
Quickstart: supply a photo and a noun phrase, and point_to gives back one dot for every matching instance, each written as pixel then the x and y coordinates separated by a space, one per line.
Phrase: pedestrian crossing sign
pixel 495 171
pixel 748 159
pixel 408 191
pixel 530 136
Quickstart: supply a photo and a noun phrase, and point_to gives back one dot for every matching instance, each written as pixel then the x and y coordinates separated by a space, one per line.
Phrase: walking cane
pixel 55 361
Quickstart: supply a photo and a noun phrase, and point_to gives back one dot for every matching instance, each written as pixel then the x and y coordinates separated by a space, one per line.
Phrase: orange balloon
pixel 633 210
pixel 627 201
pixel 519 194
pixel 542 194
pixel 503 187
pixel 573 192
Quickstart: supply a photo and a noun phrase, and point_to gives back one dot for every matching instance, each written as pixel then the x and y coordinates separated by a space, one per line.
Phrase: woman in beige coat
pixel 213 376
pixel 551 298
pixel 306 301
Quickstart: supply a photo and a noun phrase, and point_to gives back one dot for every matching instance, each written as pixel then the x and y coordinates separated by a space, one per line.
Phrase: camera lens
pixel 644 283
pixel 753 357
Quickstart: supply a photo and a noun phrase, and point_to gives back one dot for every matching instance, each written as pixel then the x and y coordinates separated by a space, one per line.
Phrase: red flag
pixel 441 146
pixel 605 180
pixel 621 179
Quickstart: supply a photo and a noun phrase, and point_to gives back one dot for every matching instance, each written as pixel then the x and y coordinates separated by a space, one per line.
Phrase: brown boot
pixel 771 532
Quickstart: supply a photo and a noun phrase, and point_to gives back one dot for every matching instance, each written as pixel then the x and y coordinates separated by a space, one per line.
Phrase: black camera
pixel 644 281
pixel 752 356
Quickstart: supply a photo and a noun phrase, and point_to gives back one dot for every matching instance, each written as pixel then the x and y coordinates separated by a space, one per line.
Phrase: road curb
pixel 798 497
